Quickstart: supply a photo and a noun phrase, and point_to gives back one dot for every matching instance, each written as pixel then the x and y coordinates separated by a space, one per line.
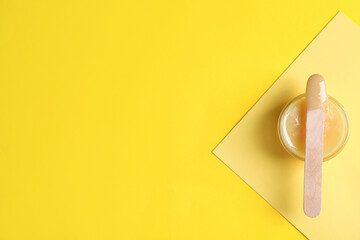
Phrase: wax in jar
pixel 292 127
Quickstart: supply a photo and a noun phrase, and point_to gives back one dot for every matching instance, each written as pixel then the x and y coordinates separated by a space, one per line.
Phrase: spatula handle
pixel 313 162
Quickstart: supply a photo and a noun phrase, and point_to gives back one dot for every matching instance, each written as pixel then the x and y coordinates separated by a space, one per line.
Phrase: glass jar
pixel 292 127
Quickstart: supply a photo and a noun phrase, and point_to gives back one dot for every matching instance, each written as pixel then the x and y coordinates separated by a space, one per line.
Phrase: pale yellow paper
pixel 252 149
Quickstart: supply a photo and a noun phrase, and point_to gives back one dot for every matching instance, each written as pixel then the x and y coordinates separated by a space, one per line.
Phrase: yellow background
pixel 109 111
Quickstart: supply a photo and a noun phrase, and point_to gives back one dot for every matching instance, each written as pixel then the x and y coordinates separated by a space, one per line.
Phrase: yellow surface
pixel 110 110
pixel 253 151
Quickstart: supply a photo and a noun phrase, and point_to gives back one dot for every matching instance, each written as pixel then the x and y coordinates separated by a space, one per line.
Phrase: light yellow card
pixel 253 151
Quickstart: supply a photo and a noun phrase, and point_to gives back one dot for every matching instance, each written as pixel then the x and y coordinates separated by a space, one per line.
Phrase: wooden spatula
pixel 315 108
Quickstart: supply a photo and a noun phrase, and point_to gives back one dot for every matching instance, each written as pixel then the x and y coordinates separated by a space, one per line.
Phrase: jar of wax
pixel 292 127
